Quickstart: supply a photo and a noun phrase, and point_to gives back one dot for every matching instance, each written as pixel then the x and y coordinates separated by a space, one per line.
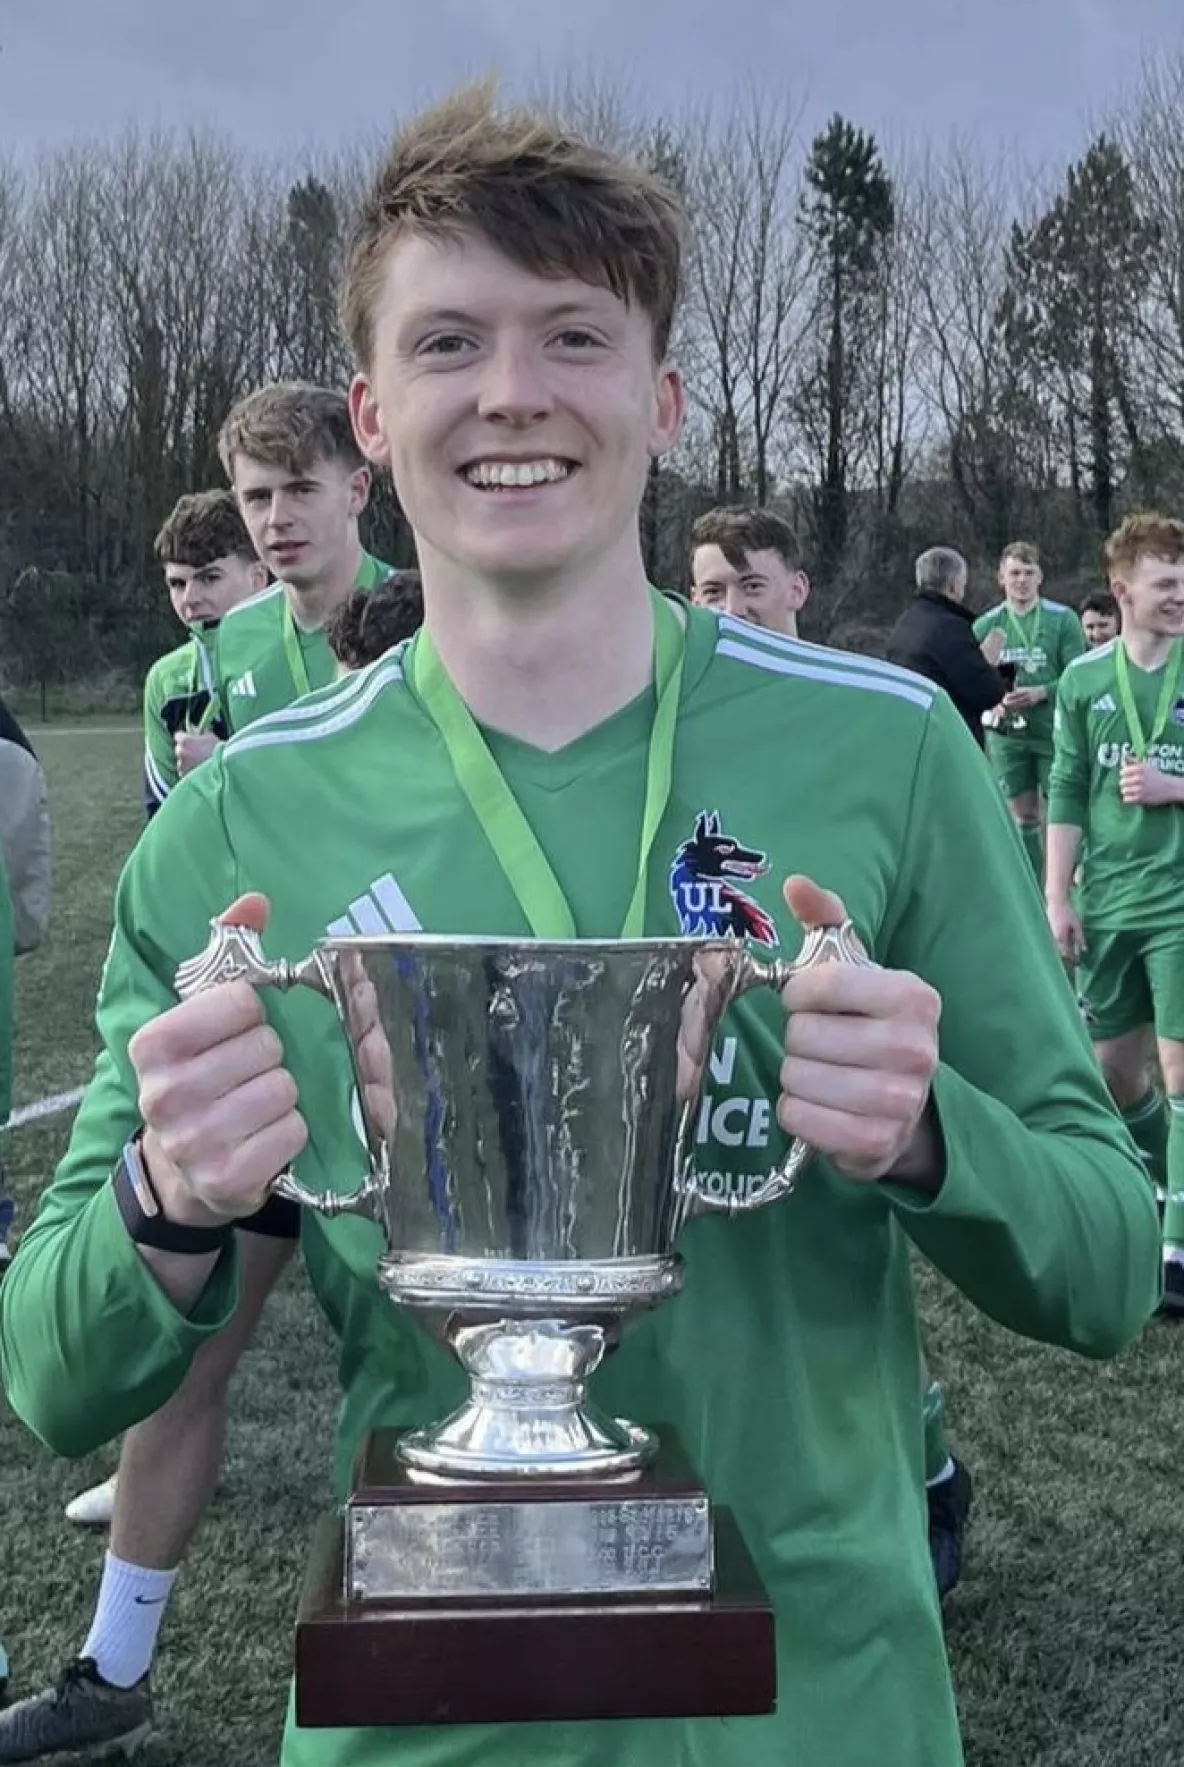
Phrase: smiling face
pixel 1099 628
pixel 1150 593
pixel 764 590
pixel 519 414
pixel 202 594
pixel 304 525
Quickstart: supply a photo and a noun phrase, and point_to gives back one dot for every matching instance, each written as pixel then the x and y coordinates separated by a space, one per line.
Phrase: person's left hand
pixel 1141 783
pixel 861 1050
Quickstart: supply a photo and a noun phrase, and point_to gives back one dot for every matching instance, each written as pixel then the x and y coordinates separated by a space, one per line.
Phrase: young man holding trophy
pixel 555 758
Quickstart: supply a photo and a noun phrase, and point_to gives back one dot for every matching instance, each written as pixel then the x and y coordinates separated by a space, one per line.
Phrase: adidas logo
pixel 1105 704
pixel 244 686
pixel 383 909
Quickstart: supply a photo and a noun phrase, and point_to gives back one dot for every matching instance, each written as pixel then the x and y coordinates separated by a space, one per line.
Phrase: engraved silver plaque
pixel 615 1546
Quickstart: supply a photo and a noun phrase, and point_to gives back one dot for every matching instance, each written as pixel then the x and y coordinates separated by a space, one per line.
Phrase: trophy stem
pixel 528 1416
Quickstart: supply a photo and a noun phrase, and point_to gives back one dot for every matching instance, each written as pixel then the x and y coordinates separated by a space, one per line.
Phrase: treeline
pixel 896 349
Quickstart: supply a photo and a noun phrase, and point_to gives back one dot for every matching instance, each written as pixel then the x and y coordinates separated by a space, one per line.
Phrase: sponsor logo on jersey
pixel 1030 661
pixel 1167 756
pixel 730 1119
pixel 703 885
pixel 243 687
pixel 1178 712
pixel 1105 704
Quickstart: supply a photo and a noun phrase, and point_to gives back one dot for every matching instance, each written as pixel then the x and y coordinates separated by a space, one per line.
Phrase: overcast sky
pixel 282 74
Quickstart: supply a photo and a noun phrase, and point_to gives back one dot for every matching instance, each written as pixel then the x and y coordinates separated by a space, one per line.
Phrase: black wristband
pixel 142 1215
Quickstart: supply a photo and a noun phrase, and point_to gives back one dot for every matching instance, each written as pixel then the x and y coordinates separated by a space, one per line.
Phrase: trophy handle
pixel 822 944
pixel 235 954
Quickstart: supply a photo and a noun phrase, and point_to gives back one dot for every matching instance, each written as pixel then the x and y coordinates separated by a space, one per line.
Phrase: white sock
pixel 122 1636
pixel 947 1472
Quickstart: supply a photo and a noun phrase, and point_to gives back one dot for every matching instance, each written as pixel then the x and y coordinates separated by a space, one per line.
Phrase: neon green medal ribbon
pixel 370 574
pixel 1140 741
pixel 526 867
pixel 297 667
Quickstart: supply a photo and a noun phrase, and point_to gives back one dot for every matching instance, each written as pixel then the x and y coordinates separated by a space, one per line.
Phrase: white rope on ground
pixel 45 1107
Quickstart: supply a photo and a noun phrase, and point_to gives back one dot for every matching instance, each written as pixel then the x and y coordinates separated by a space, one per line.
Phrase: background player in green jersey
pixel 1118 795
pixel 209 566
pixel 748 563
pixel 301 483
pixel 1043 637
pixel 85 1709
pixel 299 486
pixel 509 295
pixel 1099 618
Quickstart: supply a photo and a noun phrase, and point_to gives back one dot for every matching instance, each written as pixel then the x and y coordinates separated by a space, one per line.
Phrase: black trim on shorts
pixel 277 1219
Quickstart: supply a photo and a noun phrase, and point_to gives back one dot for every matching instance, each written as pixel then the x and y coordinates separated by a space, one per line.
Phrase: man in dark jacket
pixel 934 637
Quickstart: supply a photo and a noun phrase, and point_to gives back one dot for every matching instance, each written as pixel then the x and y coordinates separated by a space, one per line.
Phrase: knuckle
pixel 184 1144
pixel 242 1005
pixel 267 1049
pixel 299 1135
pixel 878 1142
pixel 157 1096
pixel 286 1092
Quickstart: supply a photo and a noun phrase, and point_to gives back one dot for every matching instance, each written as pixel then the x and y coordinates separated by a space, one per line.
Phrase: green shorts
pixel 1128 980
pixel 1018 766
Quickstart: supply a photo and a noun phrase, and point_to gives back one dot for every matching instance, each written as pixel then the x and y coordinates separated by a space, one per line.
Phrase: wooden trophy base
pixel 506 1658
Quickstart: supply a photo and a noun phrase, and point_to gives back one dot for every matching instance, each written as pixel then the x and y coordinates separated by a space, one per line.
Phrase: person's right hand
pixel 1067 930
pixel 192 747
pixel 218 1105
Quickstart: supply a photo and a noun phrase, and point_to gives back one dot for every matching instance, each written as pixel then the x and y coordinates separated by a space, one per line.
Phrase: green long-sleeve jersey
pixel 179 694
pixel 1133 864
pixel 788 1365
pixel 1041 644
pixel 253 660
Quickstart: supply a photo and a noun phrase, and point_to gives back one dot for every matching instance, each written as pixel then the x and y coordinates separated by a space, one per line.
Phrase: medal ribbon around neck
pixel 524 864
pixel 1141 742
pixel 371 574
pixel 1016 632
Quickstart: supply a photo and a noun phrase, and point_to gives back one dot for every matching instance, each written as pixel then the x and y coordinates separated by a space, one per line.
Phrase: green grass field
pixel 1063 1636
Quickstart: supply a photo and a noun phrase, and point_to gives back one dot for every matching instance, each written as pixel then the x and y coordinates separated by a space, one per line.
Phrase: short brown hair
pixel 370 621
pixel 1100 601
pixel 290 424
pixel 1021 550
pixel 1147 535
pixel 552 203
pixel 202 527
pixel 740 531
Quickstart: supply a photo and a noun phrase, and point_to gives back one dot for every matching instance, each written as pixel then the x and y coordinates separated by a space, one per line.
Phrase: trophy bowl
pixel 527 1109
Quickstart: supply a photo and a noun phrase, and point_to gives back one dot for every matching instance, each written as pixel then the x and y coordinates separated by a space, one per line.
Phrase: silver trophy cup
pixel 527 1109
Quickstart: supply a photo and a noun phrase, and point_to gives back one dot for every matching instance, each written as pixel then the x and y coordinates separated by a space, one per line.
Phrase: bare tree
pixel 69 335
pixel 963 220
pixel 746 276
pixel 1151 135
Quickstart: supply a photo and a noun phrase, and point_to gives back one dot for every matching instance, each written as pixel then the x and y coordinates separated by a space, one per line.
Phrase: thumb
pixel 811 905
pixel 252 910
